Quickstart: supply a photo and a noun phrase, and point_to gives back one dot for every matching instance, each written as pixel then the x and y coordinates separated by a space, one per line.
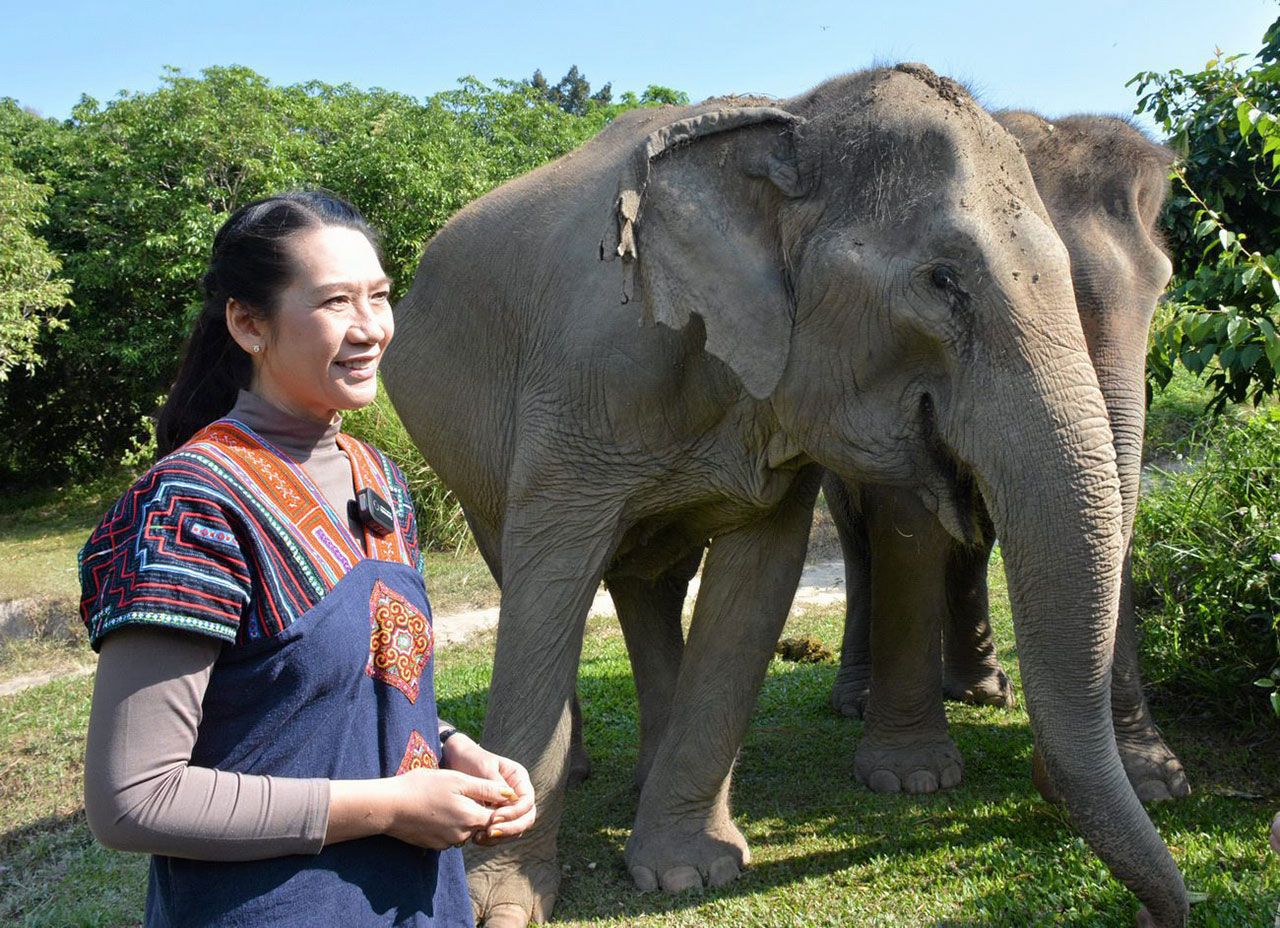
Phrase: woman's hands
pixel 425 807
pixel 480 795
pixel 440 808
pixel 513 817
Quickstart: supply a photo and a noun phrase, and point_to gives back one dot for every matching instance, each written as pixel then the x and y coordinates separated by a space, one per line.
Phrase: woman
pixel 264 717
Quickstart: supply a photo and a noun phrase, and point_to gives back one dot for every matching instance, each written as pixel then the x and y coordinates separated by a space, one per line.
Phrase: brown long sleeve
pixel 141 794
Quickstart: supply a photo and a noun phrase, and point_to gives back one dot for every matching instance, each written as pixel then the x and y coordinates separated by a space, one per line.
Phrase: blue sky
pixel 1056 57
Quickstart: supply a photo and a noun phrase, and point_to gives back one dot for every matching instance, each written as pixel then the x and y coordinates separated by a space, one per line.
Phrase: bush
pixel 1221 222
pixel 1207 572
pixel 137 187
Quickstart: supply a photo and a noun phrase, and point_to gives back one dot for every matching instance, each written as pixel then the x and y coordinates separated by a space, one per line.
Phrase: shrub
pixel 138 186
pixel 1207 571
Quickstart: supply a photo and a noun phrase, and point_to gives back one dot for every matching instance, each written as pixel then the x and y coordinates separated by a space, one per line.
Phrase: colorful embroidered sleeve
pixel 166 554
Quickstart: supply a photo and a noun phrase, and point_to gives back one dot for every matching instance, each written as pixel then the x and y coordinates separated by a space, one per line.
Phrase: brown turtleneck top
pixel 141 792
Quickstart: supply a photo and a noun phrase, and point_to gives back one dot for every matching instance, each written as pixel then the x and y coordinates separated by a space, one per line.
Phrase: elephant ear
pixel 697 233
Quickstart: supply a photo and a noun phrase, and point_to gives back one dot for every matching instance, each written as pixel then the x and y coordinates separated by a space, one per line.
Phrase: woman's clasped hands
pixel 477 795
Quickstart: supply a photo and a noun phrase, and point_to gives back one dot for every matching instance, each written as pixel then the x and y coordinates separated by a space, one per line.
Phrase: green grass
pixel 41 531
pixel 826 851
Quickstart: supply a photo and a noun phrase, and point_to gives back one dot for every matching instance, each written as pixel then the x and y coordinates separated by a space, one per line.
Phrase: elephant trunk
pixel 1122 376
pixel 1063 545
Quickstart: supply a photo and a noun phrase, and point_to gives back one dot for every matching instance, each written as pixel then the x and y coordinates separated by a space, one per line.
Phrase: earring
pixel 257 349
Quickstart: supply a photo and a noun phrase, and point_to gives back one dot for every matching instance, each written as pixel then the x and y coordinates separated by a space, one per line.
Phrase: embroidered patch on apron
pixel 417 755
pixel 400 641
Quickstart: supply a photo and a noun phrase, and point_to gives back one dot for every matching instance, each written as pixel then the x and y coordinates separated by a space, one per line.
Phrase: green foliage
pixel 1207 570
pixel 30 289
pixel 138 187
pixel 1223 223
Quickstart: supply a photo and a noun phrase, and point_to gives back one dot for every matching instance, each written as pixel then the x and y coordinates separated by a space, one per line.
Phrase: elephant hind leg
pixel 554 552
pixel 579 760
pixel 649 613
pixel 971 669
pixel 852 687
pixel 905 745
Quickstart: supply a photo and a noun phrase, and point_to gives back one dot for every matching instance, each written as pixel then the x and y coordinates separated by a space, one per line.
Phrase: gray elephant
pixel 1103 184
pixel 654 344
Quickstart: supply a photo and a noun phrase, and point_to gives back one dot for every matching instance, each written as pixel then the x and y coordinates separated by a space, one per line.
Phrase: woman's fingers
pixel 485 792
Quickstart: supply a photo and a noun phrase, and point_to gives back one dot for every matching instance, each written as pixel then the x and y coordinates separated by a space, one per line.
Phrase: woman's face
pixel 321 351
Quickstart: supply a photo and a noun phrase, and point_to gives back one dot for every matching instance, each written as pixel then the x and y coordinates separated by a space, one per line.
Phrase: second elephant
pixel 911 586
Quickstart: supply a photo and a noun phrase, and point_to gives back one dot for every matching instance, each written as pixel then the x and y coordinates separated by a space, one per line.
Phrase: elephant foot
pixel 980 686
pixel 849 694
pixel 683 856
pixel 1153 769
pixel 509 892
pixel 917 767
pixel 579 765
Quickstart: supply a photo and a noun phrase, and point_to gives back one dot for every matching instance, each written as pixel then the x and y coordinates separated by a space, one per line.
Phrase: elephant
pixel 1103 183
pixel 654 345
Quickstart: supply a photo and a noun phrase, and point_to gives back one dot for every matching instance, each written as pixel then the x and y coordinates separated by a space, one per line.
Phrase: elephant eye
pixel 944 277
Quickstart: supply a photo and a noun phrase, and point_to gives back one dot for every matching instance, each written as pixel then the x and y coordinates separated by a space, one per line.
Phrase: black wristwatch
pixel 445 735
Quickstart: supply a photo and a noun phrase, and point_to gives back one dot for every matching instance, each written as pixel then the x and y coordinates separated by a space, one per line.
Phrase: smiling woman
pixel 264 719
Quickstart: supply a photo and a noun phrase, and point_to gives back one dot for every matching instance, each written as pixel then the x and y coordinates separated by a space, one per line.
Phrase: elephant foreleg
pixel 853 679
pixel 684 835
pixel 905 745
pixel 1154 771
pixel 553 556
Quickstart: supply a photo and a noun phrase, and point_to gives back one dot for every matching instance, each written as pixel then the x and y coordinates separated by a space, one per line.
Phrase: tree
pixel 1223 222
pixel 572 93
pixel 137 187
pixel 30 288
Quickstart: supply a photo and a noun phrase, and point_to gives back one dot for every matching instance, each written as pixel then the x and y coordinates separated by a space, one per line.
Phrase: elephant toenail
pixel 678 879
pixel 644 879
pixel 884 781
pixel 921 781
pixel 723 870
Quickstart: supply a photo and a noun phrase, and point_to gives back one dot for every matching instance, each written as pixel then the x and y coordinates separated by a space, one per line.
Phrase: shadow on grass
pixel 56 874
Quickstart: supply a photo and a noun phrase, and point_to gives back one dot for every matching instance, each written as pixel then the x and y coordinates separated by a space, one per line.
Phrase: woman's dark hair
pixel 252 265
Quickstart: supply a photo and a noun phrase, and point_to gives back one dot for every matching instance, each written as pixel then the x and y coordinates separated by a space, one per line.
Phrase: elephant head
pixel 1103 184
pixel 873 262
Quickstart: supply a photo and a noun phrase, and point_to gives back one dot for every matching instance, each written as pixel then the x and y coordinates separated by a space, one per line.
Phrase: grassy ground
pixel 41 531
pixel 826 851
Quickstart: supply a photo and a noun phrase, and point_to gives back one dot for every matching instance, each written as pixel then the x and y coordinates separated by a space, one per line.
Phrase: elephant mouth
pixel 951 490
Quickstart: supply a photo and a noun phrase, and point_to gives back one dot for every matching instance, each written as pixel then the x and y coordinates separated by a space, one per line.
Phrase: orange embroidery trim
pixel 418 755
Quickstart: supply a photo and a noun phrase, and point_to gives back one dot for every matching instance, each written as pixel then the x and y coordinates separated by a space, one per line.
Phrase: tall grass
pixel 441 525
pixel 1207 571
